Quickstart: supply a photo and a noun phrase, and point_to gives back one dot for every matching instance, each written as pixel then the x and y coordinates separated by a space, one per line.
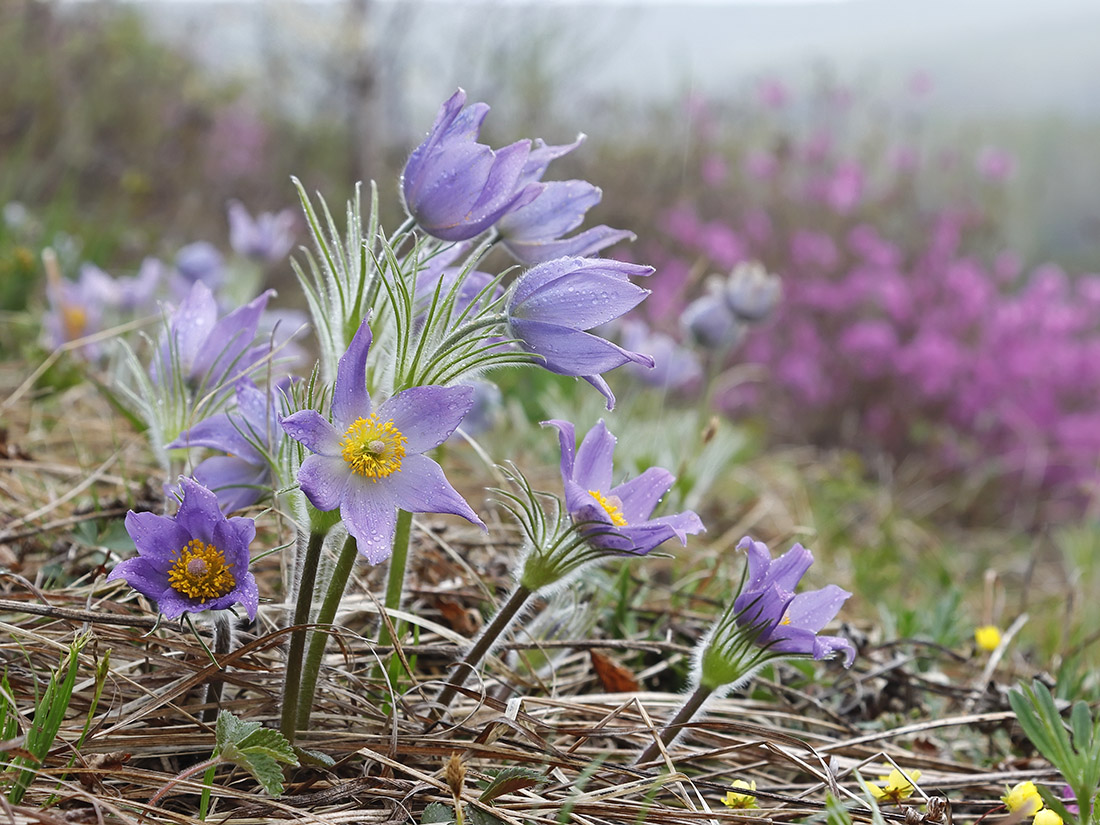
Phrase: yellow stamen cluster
pixel 201 572
pixel 75 319
pixel 372 448
pixel 896 786
pixel 734 799
pixel 988 637
pixel 612 505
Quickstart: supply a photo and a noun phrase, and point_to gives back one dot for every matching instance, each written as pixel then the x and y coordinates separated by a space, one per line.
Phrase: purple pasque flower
pixel 76 308
pixel 204 351
pixel 369 462
pixel 551 305
pixel 249 435
pixel 267 237
pixel 456 188
pixel 201 261
pixel 783 622
pixel 192 561
pixel 675 367
pixel 619 515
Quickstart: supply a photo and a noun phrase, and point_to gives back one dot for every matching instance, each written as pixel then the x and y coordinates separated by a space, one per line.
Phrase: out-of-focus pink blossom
pixel 995 164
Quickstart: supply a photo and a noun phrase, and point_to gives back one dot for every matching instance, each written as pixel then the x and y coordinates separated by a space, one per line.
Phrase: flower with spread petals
pixel 619 515
pixel 895 787
pixel 201 262
pixel 456 188
pixel 734 799
pixel 249 435
pixel 1023 798
pixel 76 307
pixel 551 306
pixel 369 462
pixel 784 622
pixel 195 560
pixel 267 237
pixel 204 351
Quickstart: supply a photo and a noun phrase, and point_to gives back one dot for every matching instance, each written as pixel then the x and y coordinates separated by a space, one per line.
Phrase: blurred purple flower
pixel 709 322
pixel 201 261
pixel 620 515
pixel 675 367
pixel 193 561
pixel 267 237
pixel 552 304
pixel 371 464
pixel 456 188
pixel 76 308
pixel 206 352
pixel 782 621
pixel 249 435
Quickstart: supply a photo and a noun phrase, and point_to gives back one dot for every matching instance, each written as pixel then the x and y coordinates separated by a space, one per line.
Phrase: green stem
pixel 336 587
pixel 399 560
pixel 481 646
pixel 207 782
pixel 307 579
pixel 688 710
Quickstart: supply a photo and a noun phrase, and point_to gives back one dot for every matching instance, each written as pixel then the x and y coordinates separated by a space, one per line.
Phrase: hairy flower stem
pixel 399 560
pixel 687 711
pixel 481 647
pixel 307 579
pixel 336 587
pixel 223 637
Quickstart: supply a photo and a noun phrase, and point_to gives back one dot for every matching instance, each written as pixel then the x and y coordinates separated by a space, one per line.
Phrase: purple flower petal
pixel 542 155
pixel 370 515
pixel 311 429
pixel 142 575
pixel 156 537
pixel 199 513
pixel 583 244
pixel 235 482
pixel 557 210
pixel 324 480
pixel 592 469
pixel 572 352
pixel 787 570
pixel 226 352
pixel 641 495
pixel 421 487
pixel 567 438
pixel 816 608
pixel 218 433
pixel 427 416
pixel 350 399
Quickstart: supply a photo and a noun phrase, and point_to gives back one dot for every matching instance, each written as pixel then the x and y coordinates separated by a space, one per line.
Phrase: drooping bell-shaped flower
pixel 552 305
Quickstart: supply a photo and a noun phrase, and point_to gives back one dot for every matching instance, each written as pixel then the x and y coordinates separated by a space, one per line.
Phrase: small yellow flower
pixel 988 637
pixel 1023 798
pixel 897 786
pixel 732 799
pixel 1046 817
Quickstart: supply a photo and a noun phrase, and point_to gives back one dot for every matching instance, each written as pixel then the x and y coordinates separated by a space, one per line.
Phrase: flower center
pixel 201 572
pixel 372 448
pixel 75 319
pixel 612 505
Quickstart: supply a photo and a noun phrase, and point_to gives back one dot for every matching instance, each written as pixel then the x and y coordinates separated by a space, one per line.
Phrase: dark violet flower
pixel 267 237
pixel 249 435
pixel 781 621
pixel 552 304
pixel 193 561
pixel 456 188
pixel 204 351
pixel 370 463
pixel 620 514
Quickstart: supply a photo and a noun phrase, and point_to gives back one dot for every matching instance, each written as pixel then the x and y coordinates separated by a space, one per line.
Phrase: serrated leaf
pixel 312 757
pixel 510 780
pixel 476 816
pixel 271 743
pixel 436 812
pixel 231 730
pixel 266 771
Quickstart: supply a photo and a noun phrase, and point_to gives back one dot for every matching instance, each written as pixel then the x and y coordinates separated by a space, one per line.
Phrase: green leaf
pixel 257 749
pixel 436 812
pixel 510 780
pixel 476 816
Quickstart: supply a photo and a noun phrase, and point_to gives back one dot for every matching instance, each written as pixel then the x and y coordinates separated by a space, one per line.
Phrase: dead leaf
pixel 614 677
